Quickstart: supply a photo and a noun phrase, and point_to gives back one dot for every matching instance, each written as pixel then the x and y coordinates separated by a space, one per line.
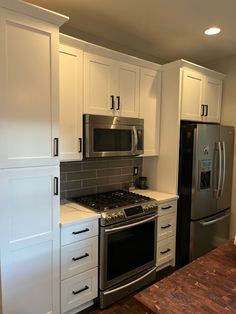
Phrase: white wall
pixel 228 116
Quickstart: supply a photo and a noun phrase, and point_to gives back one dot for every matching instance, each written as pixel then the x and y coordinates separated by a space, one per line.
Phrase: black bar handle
pixel 112 102
pixel 56 146
pixel 74 259
pixel 55 186
pixel 81 290
pixel 203 110
pixel 206 114
pixel 118 102
pixel 165 227
pixel 81 231
pixel 167 207
pixel 80 145
pixel 166 251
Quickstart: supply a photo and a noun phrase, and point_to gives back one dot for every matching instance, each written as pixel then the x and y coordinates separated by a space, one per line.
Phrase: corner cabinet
pixel 71 103
pixel 111 87
pixel 201 97
pixel 150 92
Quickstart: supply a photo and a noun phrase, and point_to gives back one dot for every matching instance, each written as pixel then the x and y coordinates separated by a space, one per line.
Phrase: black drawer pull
pixel 81 231
pixel 80 257
pixel 166 251
pixel 167 207
pixel 81 290
pixel 167 226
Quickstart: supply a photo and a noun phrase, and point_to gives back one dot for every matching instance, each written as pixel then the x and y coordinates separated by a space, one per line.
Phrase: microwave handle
pixel 135 147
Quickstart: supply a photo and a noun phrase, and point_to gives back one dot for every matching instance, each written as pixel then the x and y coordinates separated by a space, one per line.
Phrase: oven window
pixel 112 140
pixel 129 249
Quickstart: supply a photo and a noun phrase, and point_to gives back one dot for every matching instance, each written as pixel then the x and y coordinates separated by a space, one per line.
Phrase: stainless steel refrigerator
pixel 205 178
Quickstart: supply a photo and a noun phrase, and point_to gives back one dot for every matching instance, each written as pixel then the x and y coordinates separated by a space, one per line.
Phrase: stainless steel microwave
pixel 106 136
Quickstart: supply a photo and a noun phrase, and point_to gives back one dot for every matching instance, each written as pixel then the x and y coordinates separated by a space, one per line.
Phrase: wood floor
pixel 127 305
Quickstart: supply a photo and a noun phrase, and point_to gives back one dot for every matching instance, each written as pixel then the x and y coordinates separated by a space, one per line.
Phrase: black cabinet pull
pixel 55 186
pixel 167 207
pixel 80 145
pixel 167 226
pixel 166 251
pixel 81 290
pixel 118 102
pixel 56 146
pixel 80 257
pixel 203 110
pixel 80 231
pixel 206 112
pixel 112 102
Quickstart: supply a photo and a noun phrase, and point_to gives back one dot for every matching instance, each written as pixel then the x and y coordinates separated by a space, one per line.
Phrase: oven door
pixel 127 249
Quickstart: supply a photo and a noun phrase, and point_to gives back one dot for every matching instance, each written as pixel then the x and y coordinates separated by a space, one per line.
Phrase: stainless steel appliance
pixel 106 136
pixel 205 176
pixel 128 228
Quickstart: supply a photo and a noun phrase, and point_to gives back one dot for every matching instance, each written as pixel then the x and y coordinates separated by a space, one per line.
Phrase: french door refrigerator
pixel 205 178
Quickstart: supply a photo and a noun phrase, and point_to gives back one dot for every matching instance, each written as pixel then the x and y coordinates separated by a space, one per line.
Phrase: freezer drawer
pixel 208 233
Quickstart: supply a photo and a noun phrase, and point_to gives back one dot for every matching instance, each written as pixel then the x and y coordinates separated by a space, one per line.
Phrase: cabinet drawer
pixel 80 231
pixel 167 208
pixel 165 250
pixel 166 226
pixel 79 257
pixel 79 290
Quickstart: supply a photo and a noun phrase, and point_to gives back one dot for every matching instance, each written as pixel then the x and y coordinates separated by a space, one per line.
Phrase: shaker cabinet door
pixel 150 91
pixel 98 85
pixel 192 96
pixel 28 91
pixel 213 98
pixel 29 237
pixel 71 110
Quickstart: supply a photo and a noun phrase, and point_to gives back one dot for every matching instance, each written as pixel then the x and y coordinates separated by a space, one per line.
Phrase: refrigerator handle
pixel 219 171
pixel 211 222
pixel 224 167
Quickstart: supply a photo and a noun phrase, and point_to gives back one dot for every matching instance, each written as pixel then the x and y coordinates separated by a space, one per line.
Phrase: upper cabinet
pixel 71 103
pixel 201 97
pixel 29 90
pixel 150 91
pixel 111 87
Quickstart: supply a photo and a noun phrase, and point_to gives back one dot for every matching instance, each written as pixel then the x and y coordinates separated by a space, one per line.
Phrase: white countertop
pixel 73 213
pixel 161 197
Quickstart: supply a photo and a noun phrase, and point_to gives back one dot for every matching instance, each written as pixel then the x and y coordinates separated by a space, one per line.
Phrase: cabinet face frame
pixel 71 103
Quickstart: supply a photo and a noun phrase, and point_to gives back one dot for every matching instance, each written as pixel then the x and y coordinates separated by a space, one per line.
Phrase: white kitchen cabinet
pixel 201 97
pixel 111 87
pixel 79 265
pixel 29 228
pixel 166 234
pixel 29 90
pixel 150 91
pixel 71 103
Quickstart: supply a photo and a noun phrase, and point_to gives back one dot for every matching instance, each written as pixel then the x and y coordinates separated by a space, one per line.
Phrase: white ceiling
pixel 166 29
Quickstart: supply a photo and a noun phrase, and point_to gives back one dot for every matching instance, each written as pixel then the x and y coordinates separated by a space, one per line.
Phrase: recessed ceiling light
pixel 212 31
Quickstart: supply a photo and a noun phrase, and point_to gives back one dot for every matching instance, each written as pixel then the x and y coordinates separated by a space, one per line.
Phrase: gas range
pixel 118 206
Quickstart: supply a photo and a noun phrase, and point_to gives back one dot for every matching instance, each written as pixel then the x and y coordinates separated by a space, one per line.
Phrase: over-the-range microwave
pixel 106 136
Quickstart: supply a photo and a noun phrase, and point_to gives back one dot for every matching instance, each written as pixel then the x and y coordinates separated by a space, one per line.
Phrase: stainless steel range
pixel 128 228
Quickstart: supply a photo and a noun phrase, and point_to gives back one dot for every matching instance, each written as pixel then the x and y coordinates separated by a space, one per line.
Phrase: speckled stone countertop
pixel 207 285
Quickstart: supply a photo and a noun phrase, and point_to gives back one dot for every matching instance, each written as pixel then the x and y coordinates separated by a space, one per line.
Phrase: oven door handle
pixel 130 283
pixel 131 225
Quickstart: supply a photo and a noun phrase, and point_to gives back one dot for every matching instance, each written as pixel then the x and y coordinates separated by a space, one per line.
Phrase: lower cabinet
pixel 166 234
pixel 79 261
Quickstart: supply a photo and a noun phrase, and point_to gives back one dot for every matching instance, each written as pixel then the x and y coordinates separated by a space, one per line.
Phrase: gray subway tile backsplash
pixel 97 175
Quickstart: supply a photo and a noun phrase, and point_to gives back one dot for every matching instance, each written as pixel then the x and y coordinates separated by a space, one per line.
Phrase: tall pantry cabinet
pixel 29 166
